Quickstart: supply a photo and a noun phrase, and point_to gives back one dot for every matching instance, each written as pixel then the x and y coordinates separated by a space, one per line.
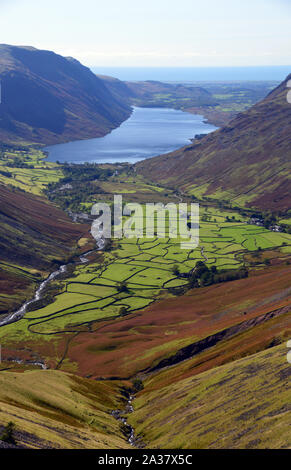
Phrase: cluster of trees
pixel 81 181
pixel 268 219
pixel 202 275
pixel 232 219
pixel 84 172
pixel 286 228
pixel 137 385
pixel 72 197
pixel 19 163
pixel 176 270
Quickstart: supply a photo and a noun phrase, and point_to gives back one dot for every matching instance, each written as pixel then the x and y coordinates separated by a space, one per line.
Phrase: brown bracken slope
pixel 246 162
pixel 35 237
pixel 215 325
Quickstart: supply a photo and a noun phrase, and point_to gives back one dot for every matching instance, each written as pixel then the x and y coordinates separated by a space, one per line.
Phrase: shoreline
pixel 135 158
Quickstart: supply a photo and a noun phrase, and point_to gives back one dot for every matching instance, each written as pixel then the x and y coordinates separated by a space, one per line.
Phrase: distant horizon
pixel 196 73
pixel 189 66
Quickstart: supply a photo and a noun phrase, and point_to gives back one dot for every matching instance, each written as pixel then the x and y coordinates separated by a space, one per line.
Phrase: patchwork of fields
pixel 137 272
pixel 32 175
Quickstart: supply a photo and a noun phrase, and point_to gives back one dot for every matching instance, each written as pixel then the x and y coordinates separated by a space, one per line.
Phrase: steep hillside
pixel 242 405
pixel 31 222
pixel 75 415
pixel 118 88
pixel 246 162
pixel 216 325
pixel 47 98
pixel 35 237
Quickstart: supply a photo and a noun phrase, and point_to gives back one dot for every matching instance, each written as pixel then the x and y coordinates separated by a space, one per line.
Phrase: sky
pixel 170 33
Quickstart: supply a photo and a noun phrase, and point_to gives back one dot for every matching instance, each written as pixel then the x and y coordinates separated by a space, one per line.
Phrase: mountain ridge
pixel 47 98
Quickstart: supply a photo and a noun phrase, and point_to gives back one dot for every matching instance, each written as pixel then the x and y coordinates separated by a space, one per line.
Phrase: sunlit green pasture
pixel 148 270
pixel 32 180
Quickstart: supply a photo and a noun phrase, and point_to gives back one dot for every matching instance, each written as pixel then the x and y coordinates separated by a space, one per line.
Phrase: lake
pixel 148 132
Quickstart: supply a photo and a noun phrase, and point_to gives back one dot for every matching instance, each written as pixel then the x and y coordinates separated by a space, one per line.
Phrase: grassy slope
pixel 246 162
pixel 57 410
pixel 244 404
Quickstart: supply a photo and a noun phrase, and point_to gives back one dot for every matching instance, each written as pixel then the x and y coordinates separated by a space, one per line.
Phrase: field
pixel 131 313
pixel 137 272
pixel 29 171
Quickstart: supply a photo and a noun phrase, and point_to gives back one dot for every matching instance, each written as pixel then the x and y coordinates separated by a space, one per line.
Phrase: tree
pixel 200 268
pixel 122 287
pixel 122 311
pixel 193 281
pixel 175 270
pixel 206 278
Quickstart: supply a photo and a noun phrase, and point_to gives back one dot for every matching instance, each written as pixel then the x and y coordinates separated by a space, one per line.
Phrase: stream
pixel 127 430
pixel 16 316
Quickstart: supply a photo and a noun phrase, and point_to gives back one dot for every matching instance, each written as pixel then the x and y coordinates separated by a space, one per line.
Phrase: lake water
pixel 148 132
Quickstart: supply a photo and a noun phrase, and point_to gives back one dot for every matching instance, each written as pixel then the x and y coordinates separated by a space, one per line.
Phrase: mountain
pixel 47 98
pixel 246 162
pixel 155 94
pixel 151 92
pixel 119 89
